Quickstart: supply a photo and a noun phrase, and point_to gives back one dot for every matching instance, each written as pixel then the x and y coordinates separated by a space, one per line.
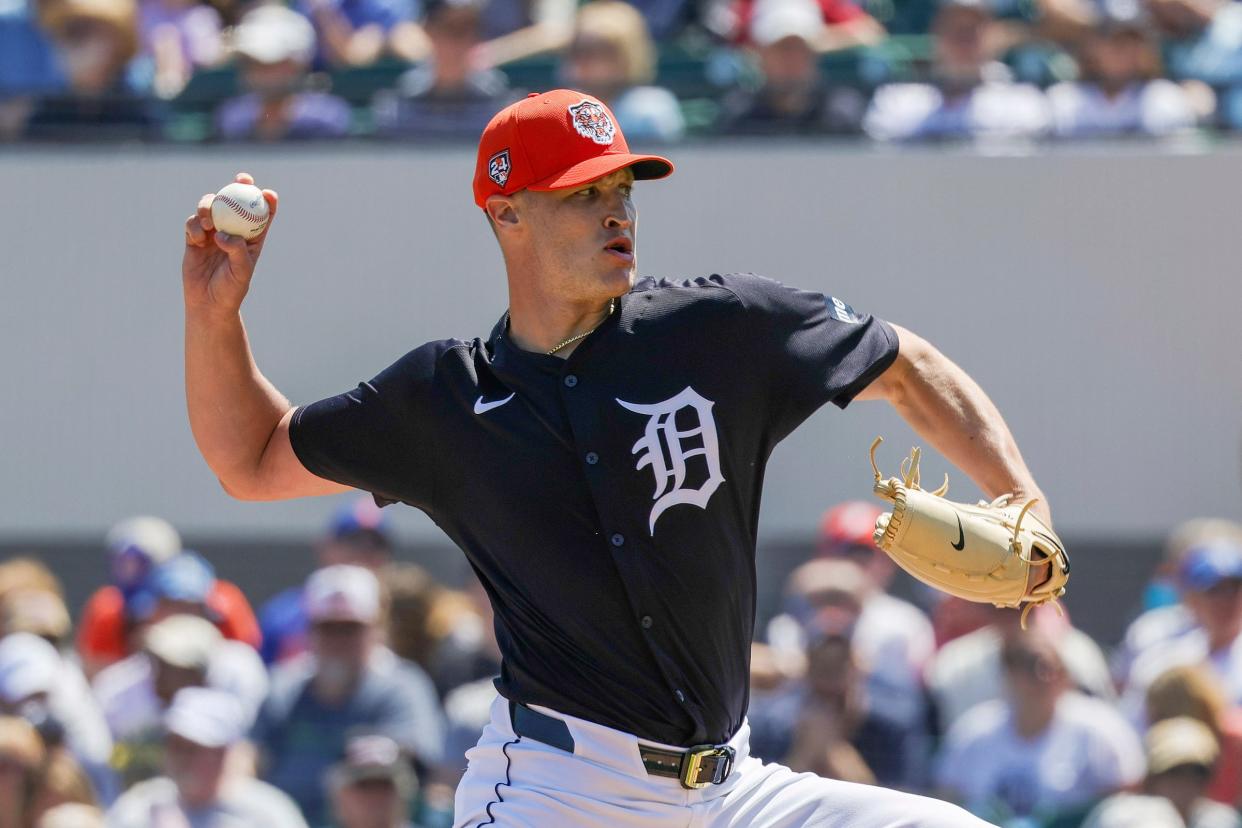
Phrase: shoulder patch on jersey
pixel 842 312
pixel 591 121
pixel 498 167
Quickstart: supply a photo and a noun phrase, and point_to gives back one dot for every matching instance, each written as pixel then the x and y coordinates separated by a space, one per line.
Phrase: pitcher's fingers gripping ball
pixel 240 210
pixel 983 553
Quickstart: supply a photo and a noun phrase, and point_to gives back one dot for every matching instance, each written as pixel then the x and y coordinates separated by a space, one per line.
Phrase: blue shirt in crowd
pixel 303 737
pixel 27 62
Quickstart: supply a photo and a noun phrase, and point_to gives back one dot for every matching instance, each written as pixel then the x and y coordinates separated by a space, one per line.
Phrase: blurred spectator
pixel 356 32
pixel 145 579
pixel 27 66
pixel 38 684
pixel 970 96
pixel 275 46
pixel 187 583
pixel 412 597
pixel 1045 752
pixel 1193 692
pixel 517 29
pixel 21 757
pixel 1180 756
pixel 1210 578
pixel 180 37
pixel 829 26
pixel 827 724
pixel 71 815
pixel 1165 616
pixel 201 787
pixel 448 95
pixel 892 637
pixel 357 534
pixel 968 670
pixel 1181 753
pixel 347 685
pixel 95 42
pixel 1121 91
pixel 892 640
pixel 612 57
pixel 179 651
pixel 135 546
pixel 372 786
pixel 794 96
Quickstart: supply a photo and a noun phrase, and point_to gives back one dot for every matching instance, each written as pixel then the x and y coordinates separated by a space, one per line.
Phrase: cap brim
pixel 645 167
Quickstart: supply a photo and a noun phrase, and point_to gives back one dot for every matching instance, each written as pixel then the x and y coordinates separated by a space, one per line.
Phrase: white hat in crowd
pixel 71 815
pixel 776 20
pixel 1134 811
pixel 185 641
pixel 154 538
pixel 274 34
pixel 28 665
pixel 205 716
pixel 342 593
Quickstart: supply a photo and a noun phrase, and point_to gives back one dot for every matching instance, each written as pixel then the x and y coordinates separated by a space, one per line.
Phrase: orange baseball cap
pixel 555 140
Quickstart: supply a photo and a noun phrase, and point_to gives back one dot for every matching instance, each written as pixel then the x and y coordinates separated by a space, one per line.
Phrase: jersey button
pixel 592 458
pixel 571 380
pixel 646 622
pixel 617 540
pixel 681 697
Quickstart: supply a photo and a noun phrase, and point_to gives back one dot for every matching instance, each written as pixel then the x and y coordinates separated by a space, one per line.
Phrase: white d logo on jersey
pixel 662 440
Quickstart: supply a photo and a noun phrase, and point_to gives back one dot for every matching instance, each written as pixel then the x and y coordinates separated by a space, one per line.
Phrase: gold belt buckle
pixel 692 762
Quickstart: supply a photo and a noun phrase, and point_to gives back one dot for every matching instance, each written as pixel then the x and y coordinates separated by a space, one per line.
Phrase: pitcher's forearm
pixel 947 408
pixel 233 408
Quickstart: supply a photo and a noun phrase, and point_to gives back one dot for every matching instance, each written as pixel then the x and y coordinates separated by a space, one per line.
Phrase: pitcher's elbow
pixel 241 490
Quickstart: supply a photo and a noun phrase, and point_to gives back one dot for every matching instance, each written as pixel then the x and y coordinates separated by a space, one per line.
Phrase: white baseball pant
pixel 517 782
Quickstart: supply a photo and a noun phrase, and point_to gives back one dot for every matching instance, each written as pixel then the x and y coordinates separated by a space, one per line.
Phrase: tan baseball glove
pixel 982 553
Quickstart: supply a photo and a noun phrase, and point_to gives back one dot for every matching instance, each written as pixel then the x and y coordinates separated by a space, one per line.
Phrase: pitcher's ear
pixel 502 210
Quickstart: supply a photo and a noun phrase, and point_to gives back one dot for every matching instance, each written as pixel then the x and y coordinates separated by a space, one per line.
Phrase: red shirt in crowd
pixel 103 632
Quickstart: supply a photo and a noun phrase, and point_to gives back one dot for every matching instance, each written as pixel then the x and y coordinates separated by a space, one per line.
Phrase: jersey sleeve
pixel 375 437
pixel 815 348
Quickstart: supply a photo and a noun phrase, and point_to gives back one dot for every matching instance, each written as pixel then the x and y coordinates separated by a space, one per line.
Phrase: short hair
pixel 121 15
pixel 1187 691
pixel 622 26
pixel 28 573
pixel 412 596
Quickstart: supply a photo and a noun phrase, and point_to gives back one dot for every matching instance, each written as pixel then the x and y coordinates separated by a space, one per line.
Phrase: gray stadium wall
pixel 1093 292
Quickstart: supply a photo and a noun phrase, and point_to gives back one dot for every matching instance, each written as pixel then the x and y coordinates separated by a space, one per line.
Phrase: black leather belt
pixel 695 767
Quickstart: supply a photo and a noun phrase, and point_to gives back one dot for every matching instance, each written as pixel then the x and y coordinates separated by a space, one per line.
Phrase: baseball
pixel 240 210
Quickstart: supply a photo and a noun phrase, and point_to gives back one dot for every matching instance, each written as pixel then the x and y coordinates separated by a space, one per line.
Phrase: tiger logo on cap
pixel 591 120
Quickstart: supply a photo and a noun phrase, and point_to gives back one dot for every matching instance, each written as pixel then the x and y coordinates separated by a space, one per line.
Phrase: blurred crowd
pixel 349 700
pixel 423 70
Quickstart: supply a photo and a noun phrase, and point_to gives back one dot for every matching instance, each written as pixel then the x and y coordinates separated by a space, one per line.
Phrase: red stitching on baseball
pixel 240 210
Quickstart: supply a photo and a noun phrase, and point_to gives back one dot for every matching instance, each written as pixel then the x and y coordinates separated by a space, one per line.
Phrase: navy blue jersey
pixel 609 502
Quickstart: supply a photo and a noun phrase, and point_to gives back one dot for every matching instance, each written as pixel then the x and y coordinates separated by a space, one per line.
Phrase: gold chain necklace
pixel 611 304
